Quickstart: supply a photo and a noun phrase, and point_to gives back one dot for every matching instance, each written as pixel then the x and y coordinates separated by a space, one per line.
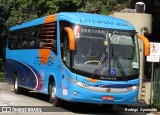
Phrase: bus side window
pixel 16 40
pixel 24 44
pixel 32 44
pixel 36 36
pixel 66 51
pixel 48 36
pixel 41 44
pixel 10 40
pixel 31 38
pixel 25 38
pixel 19 34
pixel 64 42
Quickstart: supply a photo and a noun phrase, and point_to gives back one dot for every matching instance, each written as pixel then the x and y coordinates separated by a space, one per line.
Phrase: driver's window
pixel 66 52
pixel 64 41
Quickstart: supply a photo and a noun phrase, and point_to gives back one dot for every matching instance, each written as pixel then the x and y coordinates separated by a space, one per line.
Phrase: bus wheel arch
pixel 52 92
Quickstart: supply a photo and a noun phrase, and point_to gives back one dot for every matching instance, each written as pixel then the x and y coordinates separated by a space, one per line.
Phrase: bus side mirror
pixel 72 41
pixel 146 44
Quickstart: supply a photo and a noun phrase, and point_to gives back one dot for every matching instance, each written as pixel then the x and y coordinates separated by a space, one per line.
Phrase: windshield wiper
pixel 99 65
pixel 120 66
pixel 102 58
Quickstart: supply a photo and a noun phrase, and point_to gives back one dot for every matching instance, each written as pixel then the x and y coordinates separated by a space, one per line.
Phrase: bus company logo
pixel 108 90
pixel 103 22
pixel 44 54
pixel 44 58
pixel 127 24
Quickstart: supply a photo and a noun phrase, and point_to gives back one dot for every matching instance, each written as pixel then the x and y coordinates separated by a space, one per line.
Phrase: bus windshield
pixel 105 53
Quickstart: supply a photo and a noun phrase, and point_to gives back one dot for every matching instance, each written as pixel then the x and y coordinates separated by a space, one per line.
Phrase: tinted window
pixel 41 36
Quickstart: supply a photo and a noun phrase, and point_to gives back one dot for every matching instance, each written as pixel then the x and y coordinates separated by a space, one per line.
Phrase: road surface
pixel 35 102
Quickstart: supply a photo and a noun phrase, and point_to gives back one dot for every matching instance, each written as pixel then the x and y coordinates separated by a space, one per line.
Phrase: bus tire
pixel 17 89
pixel 52 95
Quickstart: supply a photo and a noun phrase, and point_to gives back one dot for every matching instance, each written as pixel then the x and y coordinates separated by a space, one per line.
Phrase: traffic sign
pixel 154 52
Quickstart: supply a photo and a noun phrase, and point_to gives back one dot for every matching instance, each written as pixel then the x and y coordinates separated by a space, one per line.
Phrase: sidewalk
pixel 5 86
pixel 144 106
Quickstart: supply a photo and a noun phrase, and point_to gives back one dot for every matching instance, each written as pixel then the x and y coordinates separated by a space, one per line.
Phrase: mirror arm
pixel 71 37
pixel 146 44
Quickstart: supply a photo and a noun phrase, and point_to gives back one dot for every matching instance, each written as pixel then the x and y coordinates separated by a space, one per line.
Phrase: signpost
pixel 153 57
pixel 154 52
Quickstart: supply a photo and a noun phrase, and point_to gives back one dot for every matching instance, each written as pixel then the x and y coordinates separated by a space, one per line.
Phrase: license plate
pixel 110 98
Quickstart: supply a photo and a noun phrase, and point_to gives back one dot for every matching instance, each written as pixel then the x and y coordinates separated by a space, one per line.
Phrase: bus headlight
pixel 78 83
pixel 134 87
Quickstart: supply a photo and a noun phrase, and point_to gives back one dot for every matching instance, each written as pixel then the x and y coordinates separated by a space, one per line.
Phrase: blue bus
pixel 77 57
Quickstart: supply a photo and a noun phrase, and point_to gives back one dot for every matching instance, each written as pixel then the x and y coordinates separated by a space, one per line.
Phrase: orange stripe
pixel 48 43
pixel 92 80
pixel 50 24
pixel 48 28
pixel 48 31
pixel 47 47
pixel 47 35
pixel 46 39
pixel 45 53
pixel 50 18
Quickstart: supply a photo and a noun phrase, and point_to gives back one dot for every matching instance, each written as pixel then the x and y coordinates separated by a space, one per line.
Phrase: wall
pixel 143 24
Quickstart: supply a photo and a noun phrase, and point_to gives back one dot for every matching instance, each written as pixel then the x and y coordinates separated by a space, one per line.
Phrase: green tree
pixel 20 11
pixel 153 7
pixel 90 6
pixel 110 6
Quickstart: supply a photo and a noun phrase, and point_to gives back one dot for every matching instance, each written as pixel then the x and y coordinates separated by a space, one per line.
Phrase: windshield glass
pixel 105 53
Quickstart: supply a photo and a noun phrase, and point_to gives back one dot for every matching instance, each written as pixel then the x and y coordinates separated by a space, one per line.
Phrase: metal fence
pixel 156 86
pixel 156 77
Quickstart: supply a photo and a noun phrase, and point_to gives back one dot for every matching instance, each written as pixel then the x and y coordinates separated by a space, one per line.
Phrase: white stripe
pixel 33 73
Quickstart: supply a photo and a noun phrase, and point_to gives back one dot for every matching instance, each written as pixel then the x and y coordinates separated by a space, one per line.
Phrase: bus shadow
pixel 79 108
pixel 85 108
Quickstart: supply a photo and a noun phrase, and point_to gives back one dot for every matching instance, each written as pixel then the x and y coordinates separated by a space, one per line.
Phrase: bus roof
pixel 86 19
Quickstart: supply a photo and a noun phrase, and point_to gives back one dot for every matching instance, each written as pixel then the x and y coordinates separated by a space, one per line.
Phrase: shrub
pixel 156 100
pixel 2 79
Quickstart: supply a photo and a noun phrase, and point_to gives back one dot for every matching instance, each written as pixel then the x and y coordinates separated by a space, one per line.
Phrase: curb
pixel 157 113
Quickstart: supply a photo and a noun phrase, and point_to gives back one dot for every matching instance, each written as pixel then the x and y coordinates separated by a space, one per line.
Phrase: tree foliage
pixel 153 7
pixel 14 12
pixel 19 11
pixel 110 6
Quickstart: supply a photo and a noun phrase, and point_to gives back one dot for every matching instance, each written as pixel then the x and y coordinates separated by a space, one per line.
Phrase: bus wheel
pixel 52 94
pixel 17 89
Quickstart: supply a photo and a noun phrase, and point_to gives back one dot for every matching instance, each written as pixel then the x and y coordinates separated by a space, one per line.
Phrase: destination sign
pixel 120 38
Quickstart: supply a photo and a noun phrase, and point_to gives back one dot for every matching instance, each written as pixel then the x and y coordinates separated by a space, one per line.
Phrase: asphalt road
pixel 22 103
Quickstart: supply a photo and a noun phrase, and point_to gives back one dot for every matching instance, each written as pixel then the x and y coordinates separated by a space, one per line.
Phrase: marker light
pixel 134 87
